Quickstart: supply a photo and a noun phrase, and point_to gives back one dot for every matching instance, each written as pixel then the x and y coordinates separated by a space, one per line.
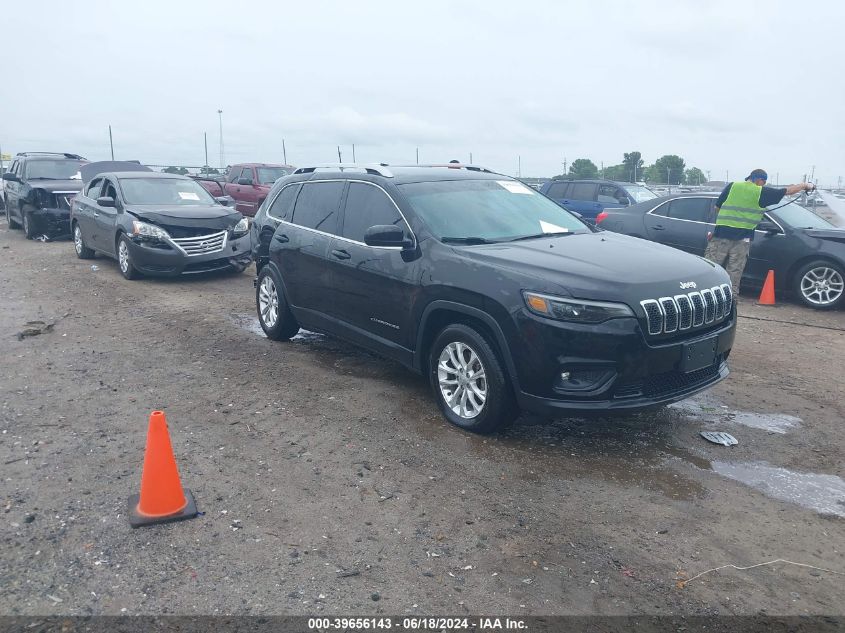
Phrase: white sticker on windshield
pixel 548 227
pixel 188 195
pixel 515 187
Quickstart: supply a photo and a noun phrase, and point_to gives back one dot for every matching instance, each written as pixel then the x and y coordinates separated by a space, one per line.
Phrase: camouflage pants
pixel 730 255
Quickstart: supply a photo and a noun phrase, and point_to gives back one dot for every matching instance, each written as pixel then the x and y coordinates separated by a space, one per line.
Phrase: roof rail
pixel 376 170
pixel 65 154
pixel 455 166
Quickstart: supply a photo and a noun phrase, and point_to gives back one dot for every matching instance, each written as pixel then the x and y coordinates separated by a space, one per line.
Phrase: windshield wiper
pixel 45 178
pixel 467 240
pixel 538 235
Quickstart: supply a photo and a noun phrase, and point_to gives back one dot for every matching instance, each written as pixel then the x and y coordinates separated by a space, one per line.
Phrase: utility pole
pixel 2 171
pixel 111 143
pixel 284 152
pixel 418 156
pixel 353 152
pixel 519 166
pixel 812 173
pixel 777 178
pixel 564 165
pixel 339 155
pixel 602 170
pixel 205 140
pixel 708 175
pixel 470 158
pixel 727 179
pixel 222 152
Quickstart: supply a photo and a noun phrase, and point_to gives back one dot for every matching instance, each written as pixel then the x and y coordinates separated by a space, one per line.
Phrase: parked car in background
pixel 591 197
pixel 155 224
pixel 37 191
pixel 505 300
pixel 806 252
pixel 214 186
pixel 249 183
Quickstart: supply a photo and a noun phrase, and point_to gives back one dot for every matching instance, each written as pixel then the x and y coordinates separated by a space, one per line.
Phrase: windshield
pixel 640 193
pixel 59 169
pixel 164 191
pixel 269 175
pixel 495 210
pixel 798 217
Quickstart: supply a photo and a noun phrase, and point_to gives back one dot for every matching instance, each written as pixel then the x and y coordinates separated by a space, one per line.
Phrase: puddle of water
pixel 711 410
pixel 823 493
pixel 248 322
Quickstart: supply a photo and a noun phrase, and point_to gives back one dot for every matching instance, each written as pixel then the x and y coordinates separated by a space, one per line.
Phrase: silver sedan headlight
pixel 241 227
pixel 149 231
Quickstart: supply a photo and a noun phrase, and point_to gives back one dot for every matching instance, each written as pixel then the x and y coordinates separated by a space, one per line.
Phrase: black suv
pixel 38 189
pixel 502 298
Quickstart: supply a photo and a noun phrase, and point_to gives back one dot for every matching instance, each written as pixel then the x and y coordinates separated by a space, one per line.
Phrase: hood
pixel 89 170
pixel 52 186
pixel 604 266
pixel 215 217
pixel 834 235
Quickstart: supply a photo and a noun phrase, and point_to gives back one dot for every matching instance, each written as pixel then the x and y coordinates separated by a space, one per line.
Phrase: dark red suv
pixel 249 184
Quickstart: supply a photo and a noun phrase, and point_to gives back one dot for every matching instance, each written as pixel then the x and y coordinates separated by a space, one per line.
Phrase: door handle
pixel 281 238
pixel 659 227
pixel 96 215
pixel 341 254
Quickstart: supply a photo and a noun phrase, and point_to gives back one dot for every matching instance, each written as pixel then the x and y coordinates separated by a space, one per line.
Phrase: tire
pixel 274 315
pixel 13 224
pixel 26 221
pixel 124 259
pixel 820 285
pixel 82 251
pixel 484 403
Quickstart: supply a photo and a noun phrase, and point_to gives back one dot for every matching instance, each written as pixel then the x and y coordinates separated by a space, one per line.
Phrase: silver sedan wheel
pixel 822 285
pixel 77 239
pixel 123 256
pixel 268 302
pixel 462 380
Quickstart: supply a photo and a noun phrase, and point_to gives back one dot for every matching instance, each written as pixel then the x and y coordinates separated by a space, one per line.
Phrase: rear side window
pixel 583 191
pixel 317 205
pixel 366 206
pixel 282 208
pixel 611 194
pixel 695 209
pixel 557 190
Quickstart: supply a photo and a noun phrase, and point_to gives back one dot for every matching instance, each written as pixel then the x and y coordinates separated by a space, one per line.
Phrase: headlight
pixel 577 310
pixel 150 231
pixel 241 227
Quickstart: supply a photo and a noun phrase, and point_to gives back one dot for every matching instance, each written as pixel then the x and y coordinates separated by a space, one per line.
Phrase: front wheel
pixel 820 285
pixel 124 259
pixel 469 384
pixel 82 251
pixel 28 227
pixel 275 316
pixel 13 224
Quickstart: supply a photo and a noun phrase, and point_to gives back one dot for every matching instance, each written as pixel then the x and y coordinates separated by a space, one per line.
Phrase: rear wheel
pixel 82 251
pixel 275 316
pixel 469 384
pixel 124 259
pixel 820 285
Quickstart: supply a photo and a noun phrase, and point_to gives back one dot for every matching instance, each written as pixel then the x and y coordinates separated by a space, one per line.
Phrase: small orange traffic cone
pixel 767 296
pixel 162 498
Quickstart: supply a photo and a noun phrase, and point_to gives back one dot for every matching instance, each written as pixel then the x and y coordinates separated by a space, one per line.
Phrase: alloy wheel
pixel 77 240
pixel 123 256
pixel 268 302
pixel 822 285
pixel 462 380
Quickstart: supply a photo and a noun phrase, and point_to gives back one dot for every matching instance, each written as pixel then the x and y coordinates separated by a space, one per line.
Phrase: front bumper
pixel 52 222
pixel 612 365
pixel 171 262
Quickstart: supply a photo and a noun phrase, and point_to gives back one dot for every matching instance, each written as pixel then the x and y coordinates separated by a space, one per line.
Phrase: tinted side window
pixel 583 191
pixel 367 206
pixel 283 204
pixel 695 209
pixel 557 190
pixel 317 205
pixel 611 194
pixel 14 168
pixel 94 188
pixel 662 210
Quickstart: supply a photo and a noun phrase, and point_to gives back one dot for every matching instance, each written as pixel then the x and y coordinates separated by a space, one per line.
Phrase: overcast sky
pixel 729 86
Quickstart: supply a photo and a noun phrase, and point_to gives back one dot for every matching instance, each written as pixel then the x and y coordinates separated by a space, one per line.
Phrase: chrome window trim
pixel 340 237
pixel 776 223
pixel 651 211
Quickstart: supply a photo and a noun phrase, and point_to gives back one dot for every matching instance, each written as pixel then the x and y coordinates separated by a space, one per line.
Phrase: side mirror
pixel 224 200
pixel 624 202
pixel 244 181
pixel 387 235
pixel 10 177
pixel 769 228
pixel 105 201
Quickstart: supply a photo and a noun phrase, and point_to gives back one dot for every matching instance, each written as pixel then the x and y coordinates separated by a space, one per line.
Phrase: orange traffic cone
pixel 162 498
pixel 767 296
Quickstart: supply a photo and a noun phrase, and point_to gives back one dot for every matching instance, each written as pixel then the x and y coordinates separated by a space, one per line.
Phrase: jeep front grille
pixel 667 315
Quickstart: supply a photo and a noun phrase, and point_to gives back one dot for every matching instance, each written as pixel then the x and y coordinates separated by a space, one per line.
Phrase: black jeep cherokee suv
pixel 502 298
pixel 38 189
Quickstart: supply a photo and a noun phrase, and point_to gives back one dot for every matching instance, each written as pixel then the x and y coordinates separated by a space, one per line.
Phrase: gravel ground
pixel 329 483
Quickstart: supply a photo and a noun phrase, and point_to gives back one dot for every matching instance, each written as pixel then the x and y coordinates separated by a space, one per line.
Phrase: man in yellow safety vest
pixel 739 209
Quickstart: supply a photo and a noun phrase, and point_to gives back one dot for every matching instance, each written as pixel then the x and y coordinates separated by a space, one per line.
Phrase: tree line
pixel 668 169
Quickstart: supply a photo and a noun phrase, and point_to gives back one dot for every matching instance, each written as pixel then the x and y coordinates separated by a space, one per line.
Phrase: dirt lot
pixel 329 483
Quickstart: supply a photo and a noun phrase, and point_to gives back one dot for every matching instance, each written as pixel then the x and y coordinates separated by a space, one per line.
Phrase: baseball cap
pixel 758 174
